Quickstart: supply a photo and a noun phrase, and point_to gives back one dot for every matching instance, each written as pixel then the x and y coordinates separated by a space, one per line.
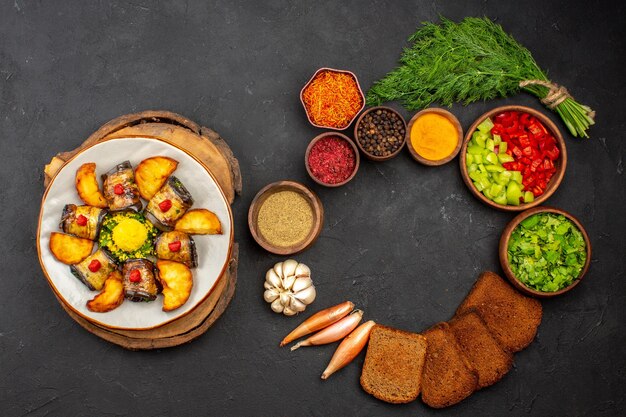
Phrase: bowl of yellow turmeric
pixel 434 136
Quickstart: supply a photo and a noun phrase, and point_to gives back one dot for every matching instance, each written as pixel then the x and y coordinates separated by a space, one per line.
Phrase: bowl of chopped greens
pixel 545 252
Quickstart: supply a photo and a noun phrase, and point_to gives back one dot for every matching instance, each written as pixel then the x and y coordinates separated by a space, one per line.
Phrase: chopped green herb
pixel 547 252
pixel 473 60
pixel 106 241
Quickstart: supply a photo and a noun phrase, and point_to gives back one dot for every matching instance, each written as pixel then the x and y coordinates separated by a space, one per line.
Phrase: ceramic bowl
pixel 504 244
pixel 214 251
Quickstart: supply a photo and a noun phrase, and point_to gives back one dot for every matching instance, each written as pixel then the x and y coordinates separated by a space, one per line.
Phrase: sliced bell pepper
pixel 535 163
pixel 535 129
pixel 485 125
pixel 513 193
pixel 524 140
pixel 553 153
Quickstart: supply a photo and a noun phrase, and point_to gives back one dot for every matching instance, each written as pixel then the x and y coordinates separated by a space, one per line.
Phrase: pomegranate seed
pixel 118 189
pixel 165 205
pixel 95 265
pixel 81 220
pixel 174 246
pixel 134 276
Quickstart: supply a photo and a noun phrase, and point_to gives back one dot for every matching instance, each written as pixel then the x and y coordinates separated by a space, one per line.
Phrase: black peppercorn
pixel 381 132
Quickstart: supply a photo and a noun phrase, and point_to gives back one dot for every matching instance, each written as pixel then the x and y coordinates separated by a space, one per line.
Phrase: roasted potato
pixel 87 186
pixel 69 249
pixel 151 174
pixel 199 222
pixel 177 282
pixel 111 296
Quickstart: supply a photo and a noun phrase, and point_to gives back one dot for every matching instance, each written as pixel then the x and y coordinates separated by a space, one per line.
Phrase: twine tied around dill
pixel 557 94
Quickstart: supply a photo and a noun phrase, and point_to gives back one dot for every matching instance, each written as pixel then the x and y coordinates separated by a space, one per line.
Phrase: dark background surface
pixel 403 241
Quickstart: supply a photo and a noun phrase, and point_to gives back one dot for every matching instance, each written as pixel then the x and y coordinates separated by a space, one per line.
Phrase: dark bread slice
pixel 481 348
pixel 512 317
pixel 448 376
pixel 393 366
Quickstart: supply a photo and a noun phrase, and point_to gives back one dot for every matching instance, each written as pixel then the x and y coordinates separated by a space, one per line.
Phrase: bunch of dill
pixel 468 61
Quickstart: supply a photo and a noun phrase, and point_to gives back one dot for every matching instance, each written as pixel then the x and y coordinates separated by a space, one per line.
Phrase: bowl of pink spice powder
pixel 331 159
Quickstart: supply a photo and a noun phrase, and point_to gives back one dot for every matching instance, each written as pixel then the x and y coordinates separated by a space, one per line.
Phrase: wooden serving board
pixel 208 146
pixel 180 331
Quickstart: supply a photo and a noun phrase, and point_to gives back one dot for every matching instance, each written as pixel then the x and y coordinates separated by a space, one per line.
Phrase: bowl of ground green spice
pixel 285 217
pixel 545 252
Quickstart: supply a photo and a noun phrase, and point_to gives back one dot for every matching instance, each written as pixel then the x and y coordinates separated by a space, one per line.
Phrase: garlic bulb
pixel 289 287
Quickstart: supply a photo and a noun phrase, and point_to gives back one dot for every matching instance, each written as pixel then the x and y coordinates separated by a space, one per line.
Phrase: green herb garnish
pixel 470 61
pixel 106 241
pixel 547 252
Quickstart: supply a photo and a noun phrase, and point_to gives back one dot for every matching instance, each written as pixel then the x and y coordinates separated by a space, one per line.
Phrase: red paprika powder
pixel 331 160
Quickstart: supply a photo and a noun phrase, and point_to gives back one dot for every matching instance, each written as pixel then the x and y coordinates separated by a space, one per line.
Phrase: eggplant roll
pixel 140 284
pixel 169 204
pixel 120 189
pixel 87 226
pixel 177 246
pixel 94 269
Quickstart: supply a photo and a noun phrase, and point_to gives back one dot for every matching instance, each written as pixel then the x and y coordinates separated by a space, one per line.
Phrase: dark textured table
pixel 403 241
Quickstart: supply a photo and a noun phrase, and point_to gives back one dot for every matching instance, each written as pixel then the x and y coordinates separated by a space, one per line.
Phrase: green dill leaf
pixel 466 62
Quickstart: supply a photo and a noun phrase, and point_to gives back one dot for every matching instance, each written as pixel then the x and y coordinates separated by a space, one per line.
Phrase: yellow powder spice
pixel 285 218
pixel 433 136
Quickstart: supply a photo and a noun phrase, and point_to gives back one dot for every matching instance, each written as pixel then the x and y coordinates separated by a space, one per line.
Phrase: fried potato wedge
pixel 151 174
pixel 177 282
pixel 111 296
pixel 69 249
pixel 199 222
pixel 87 186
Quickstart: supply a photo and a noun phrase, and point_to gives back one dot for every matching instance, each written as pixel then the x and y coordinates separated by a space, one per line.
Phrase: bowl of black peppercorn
pixel 380 133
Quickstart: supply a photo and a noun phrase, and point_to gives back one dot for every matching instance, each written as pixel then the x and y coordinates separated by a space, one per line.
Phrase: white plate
pixel 213 250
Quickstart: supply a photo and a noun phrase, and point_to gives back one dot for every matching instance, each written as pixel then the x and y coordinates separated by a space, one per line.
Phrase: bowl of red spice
pixel 332 98
pixel 331 159
pixel 513 158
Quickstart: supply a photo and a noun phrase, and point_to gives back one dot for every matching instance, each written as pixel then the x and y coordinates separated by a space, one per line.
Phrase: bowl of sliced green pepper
pixel 545 252
pixel 513 158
